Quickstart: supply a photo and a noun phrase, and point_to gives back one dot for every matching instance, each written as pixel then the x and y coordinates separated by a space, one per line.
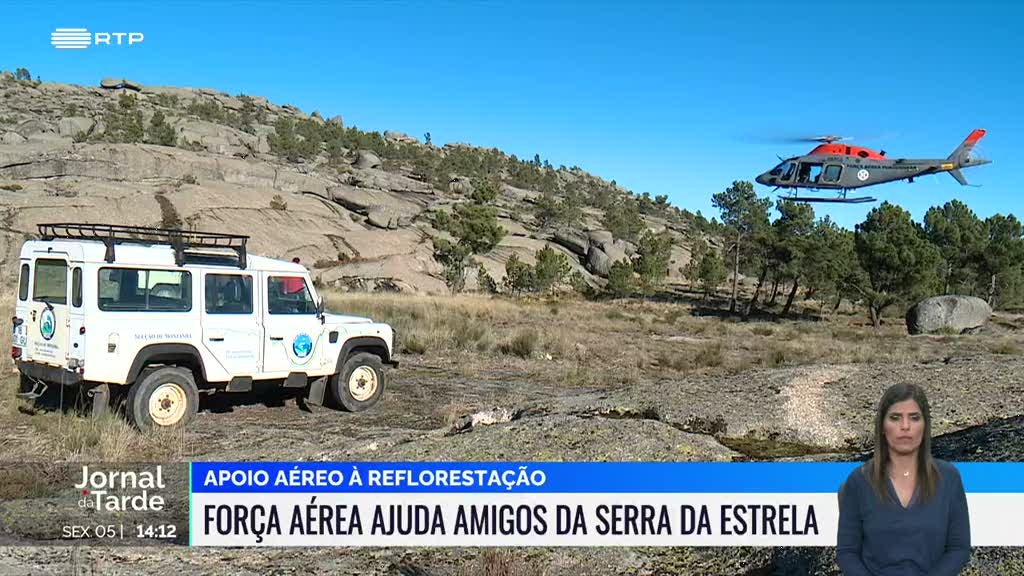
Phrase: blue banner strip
pixel 560 477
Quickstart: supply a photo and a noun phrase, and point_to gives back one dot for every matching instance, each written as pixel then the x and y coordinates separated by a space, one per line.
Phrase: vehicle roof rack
pixel 182 241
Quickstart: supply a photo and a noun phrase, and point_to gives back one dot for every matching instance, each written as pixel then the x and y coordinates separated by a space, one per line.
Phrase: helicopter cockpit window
pixel 784 170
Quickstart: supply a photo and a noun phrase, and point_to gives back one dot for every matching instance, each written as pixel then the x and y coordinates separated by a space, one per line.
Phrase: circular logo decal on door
pixel 302 346
pixel 863 175
pixel 47 324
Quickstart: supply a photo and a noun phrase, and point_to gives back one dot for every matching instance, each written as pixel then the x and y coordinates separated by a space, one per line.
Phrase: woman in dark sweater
pixel 903 513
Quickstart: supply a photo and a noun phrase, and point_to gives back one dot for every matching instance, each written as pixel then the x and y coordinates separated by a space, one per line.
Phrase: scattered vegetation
pixel 278 203
pixel 160 132
pixel 123 121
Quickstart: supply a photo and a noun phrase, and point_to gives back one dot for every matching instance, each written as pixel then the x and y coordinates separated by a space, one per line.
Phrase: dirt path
pixel 809 410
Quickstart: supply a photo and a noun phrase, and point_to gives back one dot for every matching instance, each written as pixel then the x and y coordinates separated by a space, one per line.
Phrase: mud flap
pixel 100 400
pixel 317 389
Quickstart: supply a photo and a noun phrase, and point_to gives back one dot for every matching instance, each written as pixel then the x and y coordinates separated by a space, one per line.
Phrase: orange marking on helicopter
pixel 840 150
pixel 975 136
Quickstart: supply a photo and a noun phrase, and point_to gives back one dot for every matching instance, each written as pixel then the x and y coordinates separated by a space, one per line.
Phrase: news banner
pixel 461 503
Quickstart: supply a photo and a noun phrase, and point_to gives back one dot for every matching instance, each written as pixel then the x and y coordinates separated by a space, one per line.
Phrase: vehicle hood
pixel 344 319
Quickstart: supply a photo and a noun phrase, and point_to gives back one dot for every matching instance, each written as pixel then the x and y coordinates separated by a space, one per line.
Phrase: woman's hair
pixel 927 472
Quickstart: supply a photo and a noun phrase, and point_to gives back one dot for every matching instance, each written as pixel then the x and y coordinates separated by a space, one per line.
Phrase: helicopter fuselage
pixel 842 172
pixel 835 166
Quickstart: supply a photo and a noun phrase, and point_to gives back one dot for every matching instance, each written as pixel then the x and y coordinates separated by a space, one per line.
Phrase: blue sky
pixel 671 98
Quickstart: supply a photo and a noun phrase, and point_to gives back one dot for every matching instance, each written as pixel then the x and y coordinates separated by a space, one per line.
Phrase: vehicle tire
pixel 360 385
pixel 163 398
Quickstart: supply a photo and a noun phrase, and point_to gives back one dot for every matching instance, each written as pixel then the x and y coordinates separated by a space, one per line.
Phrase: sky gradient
pixel 671 98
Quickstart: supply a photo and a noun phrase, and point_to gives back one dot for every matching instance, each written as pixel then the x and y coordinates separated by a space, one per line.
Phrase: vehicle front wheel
pixel 164 398
pixel 360 385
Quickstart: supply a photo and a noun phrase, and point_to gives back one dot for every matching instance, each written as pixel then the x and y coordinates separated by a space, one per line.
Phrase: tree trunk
pixel 875 315
pixel 792 294
pixel 775 291
pixel 735 276
pixel 757 291
pixel 992 290
pixel 839 302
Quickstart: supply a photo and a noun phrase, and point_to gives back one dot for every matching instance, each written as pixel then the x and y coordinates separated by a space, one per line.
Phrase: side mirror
pixel 320 310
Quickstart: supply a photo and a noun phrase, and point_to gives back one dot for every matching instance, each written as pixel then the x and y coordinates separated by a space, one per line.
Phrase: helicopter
pixel 836 166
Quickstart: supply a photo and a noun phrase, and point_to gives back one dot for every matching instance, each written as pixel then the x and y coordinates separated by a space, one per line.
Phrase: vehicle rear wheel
pixel 164 398
pixel 361 383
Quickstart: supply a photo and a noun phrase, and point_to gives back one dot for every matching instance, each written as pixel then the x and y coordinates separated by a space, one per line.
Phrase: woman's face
pixel 904 426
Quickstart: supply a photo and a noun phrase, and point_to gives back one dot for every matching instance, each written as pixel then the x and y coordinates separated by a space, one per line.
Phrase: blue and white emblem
pixel 47 324
pixel 302 346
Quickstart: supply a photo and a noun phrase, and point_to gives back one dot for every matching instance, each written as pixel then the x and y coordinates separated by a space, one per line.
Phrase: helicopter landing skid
pixel 809 199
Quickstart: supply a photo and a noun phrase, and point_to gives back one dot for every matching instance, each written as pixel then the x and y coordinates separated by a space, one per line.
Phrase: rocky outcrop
pixel 220 174
pixel 115 83
pixel 74 126
pixel 367 159
pixel 957 314
pixel 604 250
pixel 399 137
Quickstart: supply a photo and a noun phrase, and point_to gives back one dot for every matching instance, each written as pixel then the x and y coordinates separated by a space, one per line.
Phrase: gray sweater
pixel 884 539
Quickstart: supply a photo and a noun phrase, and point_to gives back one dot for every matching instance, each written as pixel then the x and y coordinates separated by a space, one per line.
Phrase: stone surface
pixel 957 314
pixel 74 125
pixel 367 159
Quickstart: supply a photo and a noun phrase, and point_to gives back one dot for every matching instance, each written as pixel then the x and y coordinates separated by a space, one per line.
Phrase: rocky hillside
pixel 361 209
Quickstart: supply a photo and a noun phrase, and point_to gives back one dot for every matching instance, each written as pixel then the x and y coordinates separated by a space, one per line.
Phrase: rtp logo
pixel 81 38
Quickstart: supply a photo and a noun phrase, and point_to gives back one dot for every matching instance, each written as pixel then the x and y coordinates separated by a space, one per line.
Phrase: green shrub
pixel 620 279
pixel 160 132
pixel 519 276
pixel 485 282
pixel 551 268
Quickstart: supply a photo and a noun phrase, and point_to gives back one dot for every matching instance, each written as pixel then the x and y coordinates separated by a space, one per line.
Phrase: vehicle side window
pixel 76 287
pixel 130 289
pixel 289 295
pixel 228 294
pixel 832 172
pixel 23 283
pixel 51 283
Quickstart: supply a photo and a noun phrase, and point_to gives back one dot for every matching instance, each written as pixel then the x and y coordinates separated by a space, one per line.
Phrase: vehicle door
pixel 45 336
pixel 232 330
pixel 292 328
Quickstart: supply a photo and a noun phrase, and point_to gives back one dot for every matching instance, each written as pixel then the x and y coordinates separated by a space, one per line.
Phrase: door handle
pixel 277 338
pixel 217 339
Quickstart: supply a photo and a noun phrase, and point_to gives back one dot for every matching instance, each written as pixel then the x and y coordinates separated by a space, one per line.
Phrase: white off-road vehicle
pixel 170 314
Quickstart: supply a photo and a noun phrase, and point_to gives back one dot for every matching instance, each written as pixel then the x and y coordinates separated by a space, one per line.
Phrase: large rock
pixel 600 237
pixel 572 240
pixel 399 137
pixel 599 261
pixel 114 83
pixel 12 138
pixel 460 185
pixel 953 313
pixel 71 127
pixel 367 159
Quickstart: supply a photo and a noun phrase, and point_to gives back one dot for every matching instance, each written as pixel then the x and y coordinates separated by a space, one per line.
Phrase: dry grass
pixel 498 562
pixel 629 340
